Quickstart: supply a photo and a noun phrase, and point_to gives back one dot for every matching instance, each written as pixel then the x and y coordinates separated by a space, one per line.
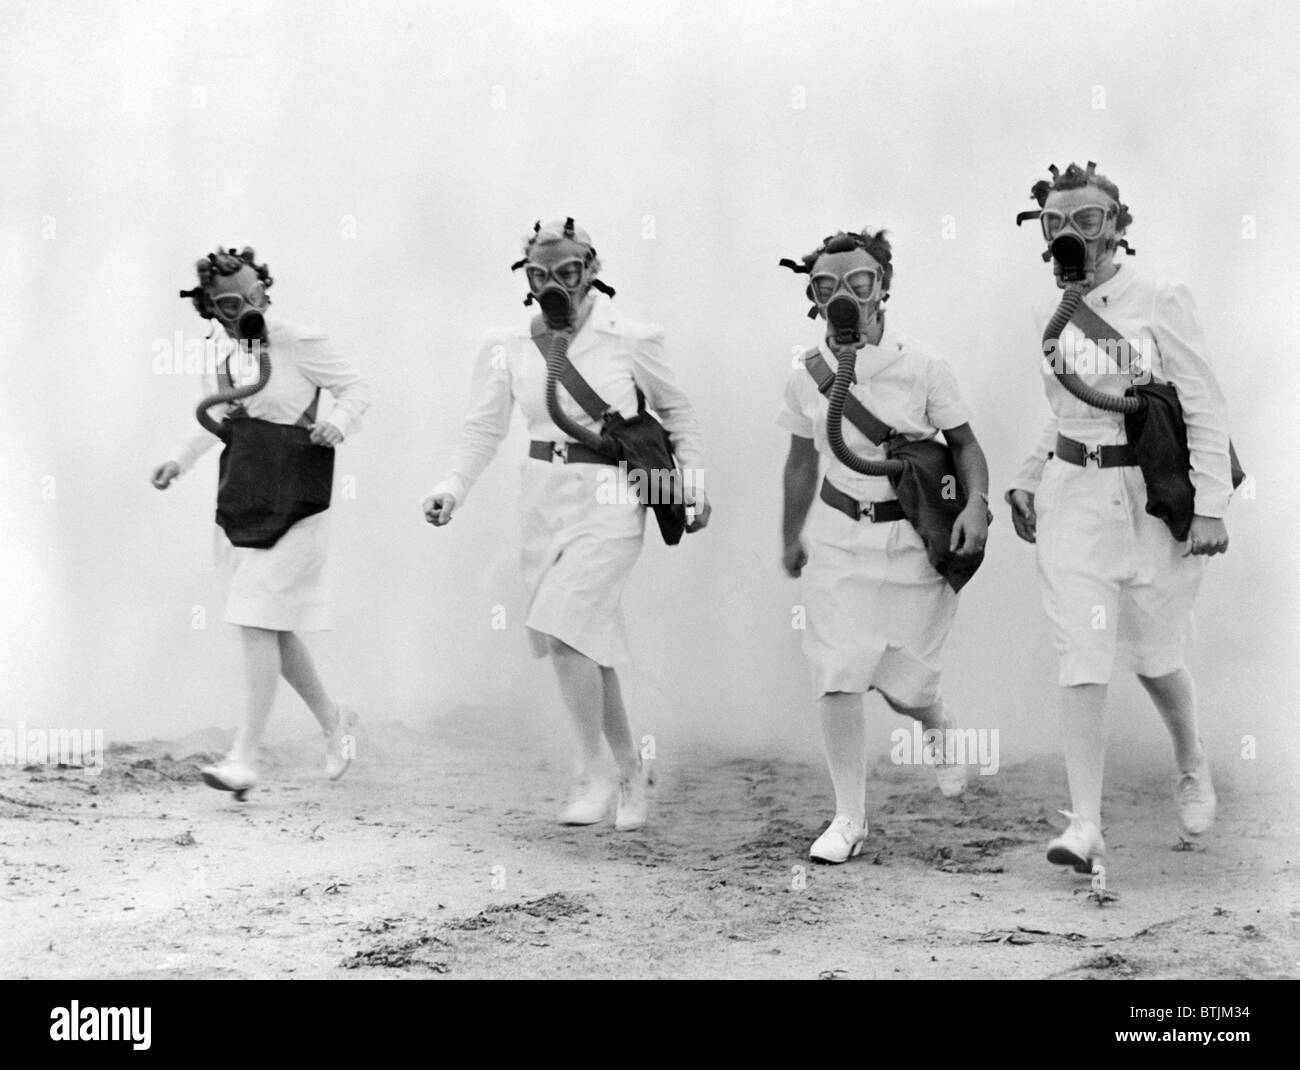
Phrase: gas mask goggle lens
pixel 1089 220
pixel 567 274
pixel 231 305
pixel 861 284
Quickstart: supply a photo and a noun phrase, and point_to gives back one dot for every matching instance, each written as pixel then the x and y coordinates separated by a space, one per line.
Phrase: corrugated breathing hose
pixel 1098 399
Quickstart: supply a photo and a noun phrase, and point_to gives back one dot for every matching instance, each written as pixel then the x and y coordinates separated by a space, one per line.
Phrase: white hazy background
pixel 386 159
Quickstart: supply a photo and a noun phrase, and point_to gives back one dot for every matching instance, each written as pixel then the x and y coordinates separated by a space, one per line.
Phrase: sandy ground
pixel 438 855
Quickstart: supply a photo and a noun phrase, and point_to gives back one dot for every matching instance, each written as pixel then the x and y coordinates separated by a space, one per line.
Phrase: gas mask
pixel 845 288
pixel 846 285
pixel 238 302
pixel 232 290
pixel 1081 226
pixel 1080 237
pixel 558 288
pixel 560 264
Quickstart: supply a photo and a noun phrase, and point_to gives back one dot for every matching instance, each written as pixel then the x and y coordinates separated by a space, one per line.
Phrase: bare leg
pixel 297 667
pixel 583 690
pixel 261 673
pixel 844 733
pixel 618 733
pixel 1174 696
pixel 1083 708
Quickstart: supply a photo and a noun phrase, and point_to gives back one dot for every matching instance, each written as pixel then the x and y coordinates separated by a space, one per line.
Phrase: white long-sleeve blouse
pixel 614 355
pixel 1159 321
pixel 302 360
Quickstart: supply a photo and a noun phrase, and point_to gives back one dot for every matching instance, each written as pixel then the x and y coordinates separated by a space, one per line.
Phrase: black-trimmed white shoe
pixel 1080 845
pixel 842 840
pixel 230 774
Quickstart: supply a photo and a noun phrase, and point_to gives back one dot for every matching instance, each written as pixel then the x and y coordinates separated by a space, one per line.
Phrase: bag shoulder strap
pixel 858 414
pixel 578 387
pixel 1094 328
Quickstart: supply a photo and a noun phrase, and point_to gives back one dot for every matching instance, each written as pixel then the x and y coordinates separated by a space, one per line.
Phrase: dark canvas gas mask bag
pixel 270 476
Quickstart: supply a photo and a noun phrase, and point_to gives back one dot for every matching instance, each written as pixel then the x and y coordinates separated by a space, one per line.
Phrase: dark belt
pixel 1077 453
pixel 876 512
pixel 567 453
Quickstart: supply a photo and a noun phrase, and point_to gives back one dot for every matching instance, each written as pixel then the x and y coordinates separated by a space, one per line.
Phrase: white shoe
pixel 951 775
pixel 340 744
pixel 230 775
pixel 841 841
pixel 1196 799
pixel 633 801
pixel 589 802
pixel 1078 846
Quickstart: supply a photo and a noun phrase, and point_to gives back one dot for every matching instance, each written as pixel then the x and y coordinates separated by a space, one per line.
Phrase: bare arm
pixel 968 456
pixel 800 487
pixel 971 530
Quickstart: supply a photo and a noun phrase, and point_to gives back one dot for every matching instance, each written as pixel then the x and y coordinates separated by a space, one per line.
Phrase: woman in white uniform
pixel 1117 586
pixel 580 535
pixel 276 592
pixel 877 611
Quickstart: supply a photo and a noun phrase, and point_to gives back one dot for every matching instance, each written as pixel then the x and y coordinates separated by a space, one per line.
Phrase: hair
pixel 1076 177
pixel 223 262
pixel 561 230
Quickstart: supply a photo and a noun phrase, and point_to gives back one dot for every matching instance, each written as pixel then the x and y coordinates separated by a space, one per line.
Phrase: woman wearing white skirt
pixel 1117 584
pixel 580 535
pixel 877 611
pixel 276 592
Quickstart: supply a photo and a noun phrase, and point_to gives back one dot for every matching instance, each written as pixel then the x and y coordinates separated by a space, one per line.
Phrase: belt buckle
pixel 870 511
pixel 560 450
pixel 1093 454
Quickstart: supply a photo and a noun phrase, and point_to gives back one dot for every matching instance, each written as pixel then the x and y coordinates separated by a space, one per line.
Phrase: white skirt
pixel 1116 588
pixel 578 548
pixel 877 612
pixel 282 589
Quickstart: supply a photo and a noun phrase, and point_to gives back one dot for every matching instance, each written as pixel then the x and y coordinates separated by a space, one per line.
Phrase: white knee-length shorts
pixel 877 612
pixel 1116 588
pixel 578 549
